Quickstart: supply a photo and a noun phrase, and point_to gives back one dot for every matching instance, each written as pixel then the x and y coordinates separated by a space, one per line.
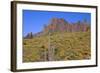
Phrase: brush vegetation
pixel 67 46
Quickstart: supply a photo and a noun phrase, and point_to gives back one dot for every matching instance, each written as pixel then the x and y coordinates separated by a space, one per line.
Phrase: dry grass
pixel 68 46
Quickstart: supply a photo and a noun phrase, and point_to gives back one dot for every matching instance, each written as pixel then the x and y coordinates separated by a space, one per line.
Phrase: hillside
pixel 58 41
pixel 67 46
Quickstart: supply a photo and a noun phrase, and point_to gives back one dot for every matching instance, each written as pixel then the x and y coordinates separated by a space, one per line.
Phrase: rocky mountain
pixel 61 25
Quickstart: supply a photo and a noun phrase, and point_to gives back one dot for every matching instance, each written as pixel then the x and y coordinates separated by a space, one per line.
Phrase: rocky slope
pixel 61 25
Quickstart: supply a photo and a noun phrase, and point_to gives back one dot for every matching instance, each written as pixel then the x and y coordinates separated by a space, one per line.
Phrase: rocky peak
pixel 58 21
pixel 61 25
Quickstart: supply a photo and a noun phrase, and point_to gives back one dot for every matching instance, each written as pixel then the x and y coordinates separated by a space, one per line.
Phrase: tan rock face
pixel 61 25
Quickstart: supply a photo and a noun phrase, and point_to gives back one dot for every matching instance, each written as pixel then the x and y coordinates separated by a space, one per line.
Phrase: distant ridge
pixel 61 25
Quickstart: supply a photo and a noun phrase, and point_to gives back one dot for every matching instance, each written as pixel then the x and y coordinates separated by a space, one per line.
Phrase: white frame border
pixel 36 65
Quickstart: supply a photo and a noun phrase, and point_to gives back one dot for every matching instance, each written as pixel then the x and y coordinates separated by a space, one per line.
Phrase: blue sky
pixel 33 21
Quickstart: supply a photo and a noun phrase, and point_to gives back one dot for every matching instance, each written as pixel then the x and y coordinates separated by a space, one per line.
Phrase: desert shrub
pixel 24 43
pixel 69 46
